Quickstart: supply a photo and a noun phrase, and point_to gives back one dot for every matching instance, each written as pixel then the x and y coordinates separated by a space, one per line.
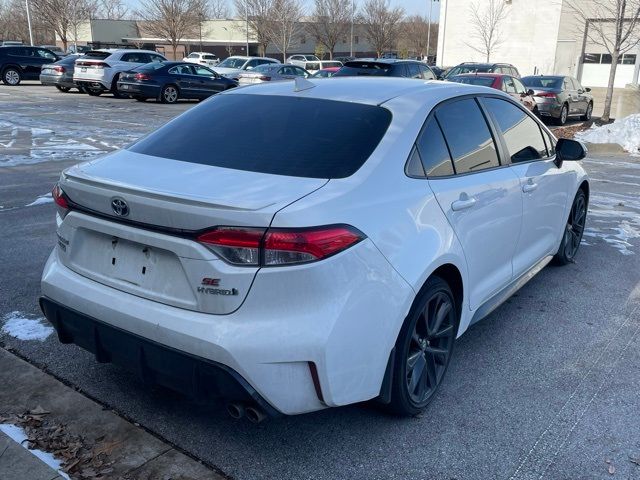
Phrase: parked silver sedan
pixel 272 72
pixel 60 74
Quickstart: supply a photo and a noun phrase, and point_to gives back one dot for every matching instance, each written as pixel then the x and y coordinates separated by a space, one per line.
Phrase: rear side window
pixel 433 151
pixel 521 133
pixel 468 136
pixel 281 135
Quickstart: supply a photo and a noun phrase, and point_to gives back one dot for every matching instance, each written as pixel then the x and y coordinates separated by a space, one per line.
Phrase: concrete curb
pixel 606 149
pixel 135 453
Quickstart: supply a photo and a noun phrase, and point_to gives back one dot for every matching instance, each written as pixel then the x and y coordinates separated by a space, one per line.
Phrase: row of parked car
pixel 143 74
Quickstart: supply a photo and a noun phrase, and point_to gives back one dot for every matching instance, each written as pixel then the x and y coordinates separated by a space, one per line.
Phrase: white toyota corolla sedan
pixel 322 243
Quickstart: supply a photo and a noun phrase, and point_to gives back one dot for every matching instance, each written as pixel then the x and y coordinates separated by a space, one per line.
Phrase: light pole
pixel 353 9
pixel 429 29
pixel 246 16
pixel 200 17
pixel 29 23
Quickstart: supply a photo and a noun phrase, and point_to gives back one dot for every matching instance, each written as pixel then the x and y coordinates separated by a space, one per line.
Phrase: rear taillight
pixel 546 95
pixel 203 61
pixel 279 246
pixel 59 69
pixel 100 65
pixel 59 197
pixel 264 78
pixel 141 76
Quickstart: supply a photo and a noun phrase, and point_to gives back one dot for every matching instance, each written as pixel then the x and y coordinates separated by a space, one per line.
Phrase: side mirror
pixel 570 150
pixel 530 92
pixel 587 89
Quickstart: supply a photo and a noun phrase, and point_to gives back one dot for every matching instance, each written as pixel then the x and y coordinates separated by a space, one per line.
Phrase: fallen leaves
pixel 80 458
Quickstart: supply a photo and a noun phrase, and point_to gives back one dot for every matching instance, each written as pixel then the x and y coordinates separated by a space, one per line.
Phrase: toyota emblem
pixel 120 207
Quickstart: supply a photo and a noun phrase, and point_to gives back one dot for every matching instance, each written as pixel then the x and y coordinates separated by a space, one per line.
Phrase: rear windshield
pixel 209 57
pixel 543 82
pixel 281 135
pixel 233 62
pixel 482 81
pixel 469 69
pixel 364 68
pixel 98 55
pixel 331 64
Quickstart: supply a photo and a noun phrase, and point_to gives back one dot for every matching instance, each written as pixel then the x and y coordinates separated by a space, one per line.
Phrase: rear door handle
pixel 529 187
pixel 463 204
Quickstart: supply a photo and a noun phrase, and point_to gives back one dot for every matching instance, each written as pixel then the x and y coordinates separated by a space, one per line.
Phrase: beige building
pixel 223 37
pixel 538 37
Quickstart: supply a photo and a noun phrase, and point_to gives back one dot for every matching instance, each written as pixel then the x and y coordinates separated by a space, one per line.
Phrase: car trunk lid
pixel 150 250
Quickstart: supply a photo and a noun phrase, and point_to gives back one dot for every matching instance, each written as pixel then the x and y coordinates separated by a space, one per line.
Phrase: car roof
pixel 482 74
pixel 557 77
pixel 365 90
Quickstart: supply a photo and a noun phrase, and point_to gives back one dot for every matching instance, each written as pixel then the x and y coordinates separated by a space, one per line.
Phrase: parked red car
pixel 511 85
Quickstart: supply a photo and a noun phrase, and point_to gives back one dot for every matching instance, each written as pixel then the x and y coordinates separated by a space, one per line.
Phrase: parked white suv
pixel 232 67
pixel 202 58
pixel 331 259
pixel 98 70
pixel 311 63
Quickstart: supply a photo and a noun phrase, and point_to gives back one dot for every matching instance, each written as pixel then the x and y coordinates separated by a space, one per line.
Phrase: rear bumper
pixel 149 91
pixel 198 378
pixel 548 108
pixel 59 80
pixel 306 337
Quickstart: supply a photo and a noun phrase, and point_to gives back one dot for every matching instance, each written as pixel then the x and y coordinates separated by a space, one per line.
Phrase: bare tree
pixel 485 19
pixel 614 25
pixel 219 9
pixel 381 24
pixel 64 16
pixel 13 24
pixel 414 33
pixel 173 20
pixel 284 26
pixel 330 22
pixel 111 9
pixel 257 12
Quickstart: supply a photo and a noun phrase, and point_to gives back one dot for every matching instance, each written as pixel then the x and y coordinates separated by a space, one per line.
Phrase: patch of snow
pixel 17 434
pixel 625 132
pixel 21 327
pixel 39 132
pixel 41 200
pixel 622 209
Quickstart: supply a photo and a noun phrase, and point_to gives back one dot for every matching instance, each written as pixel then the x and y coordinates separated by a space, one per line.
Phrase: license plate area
pixel 83 69
pixel 124 87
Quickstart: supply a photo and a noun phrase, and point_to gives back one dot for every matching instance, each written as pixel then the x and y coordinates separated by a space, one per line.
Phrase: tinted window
pixel 135 57
pixel 414 166
pixel 520 88
pixel 413 70
pixel 181 70
pixel 156 58
pixel 468 136
pixel 311 137
pixel 543 82
pixel 203 71
pixel 97 55
pixel 45 53
pixel 426 73
pixel 433 151
pixel 363 68
pixel 521 133
pixel 475 80
pixel 399 70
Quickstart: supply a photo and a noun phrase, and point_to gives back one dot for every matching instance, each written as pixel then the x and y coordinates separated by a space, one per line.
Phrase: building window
pixel 605 58
pixel 356 39
pixel 303 40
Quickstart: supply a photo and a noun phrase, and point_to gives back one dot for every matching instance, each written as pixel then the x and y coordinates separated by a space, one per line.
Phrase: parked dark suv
pixel 19 63
pixel 386 67
pixel 473 67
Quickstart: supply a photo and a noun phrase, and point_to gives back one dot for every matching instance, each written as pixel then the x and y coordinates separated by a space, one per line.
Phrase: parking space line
pixel 548 445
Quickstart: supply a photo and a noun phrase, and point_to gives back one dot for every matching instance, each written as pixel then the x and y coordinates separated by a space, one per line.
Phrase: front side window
pixel 508 85
pixel 433 150
pixel 520 88
pixel 521 133
pixel 426 73
pixel 204 71
pixel 413 71
pixel 181 70
pixel 194 55
pixel 156 58
pixel 468 136
pixel 45 54
pixel 313 138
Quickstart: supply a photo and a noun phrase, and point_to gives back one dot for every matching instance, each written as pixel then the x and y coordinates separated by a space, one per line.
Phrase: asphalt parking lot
pixel 546 387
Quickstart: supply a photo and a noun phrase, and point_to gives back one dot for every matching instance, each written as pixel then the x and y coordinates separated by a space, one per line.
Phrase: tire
pixel 423 349
pixel 573 230
pixel 94 92
pixel 564 114
pixel 63 89
pixel 587 115
pixel 81 90
pixel 11 76
pixel 114 88
pixel 169 94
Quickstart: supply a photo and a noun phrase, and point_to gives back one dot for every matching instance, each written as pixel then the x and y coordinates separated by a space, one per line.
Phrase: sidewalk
pixel 98 441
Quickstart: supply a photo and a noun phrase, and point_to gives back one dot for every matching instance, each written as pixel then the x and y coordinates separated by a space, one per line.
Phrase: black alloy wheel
pixel 574 230
pixel 63 89
pixel 94 92
pixel 424 348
